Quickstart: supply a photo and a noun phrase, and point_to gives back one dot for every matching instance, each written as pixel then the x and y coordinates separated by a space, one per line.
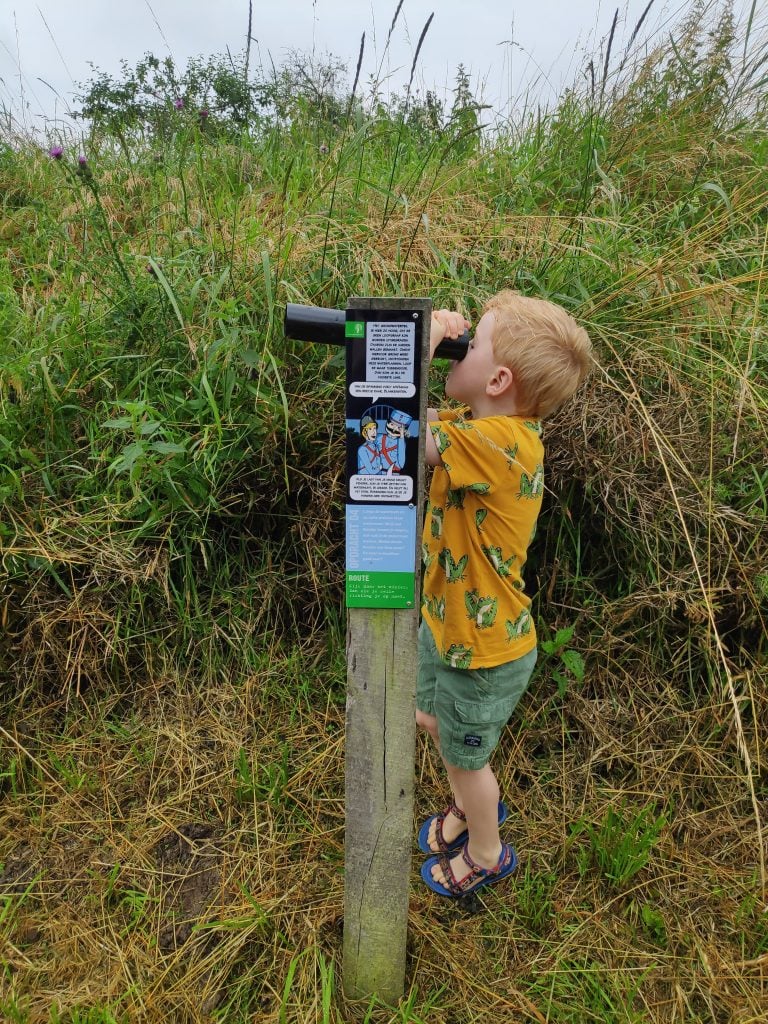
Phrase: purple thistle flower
pixel 83 169
pixel 56 152
pixel 178 103
pixel 204 114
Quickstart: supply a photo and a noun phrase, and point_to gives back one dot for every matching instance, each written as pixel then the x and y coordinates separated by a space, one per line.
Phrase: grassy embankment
pixel 172 659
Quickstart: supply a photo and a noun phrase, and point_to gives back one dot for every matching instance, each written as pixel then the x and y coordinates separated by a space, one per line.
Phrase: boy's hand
pixel 446 323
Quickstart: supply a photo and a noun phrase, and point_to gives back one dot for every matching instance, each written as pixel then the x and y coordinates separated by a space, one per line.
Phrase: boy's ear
pixel 500 383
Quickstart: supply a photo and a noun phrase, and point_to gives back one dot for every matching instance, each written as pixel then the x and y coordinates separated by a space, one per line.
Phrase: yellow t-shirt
pixel 483 504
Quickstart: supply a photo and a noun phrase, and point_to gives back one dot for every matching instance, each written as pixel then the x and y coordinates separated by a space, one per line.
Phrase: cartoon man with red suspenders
pixel 392 442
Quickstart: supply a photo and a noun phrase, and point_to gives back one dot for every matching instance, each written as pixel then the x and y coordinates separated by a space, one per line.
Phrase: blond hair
pixel 547 351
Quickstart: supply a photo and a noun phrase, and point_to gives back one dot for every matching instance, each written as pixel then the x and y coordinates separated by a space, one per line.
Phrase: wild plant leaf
pixel 127 459
pixel 149 427
pixel 167 447
pixel 574 662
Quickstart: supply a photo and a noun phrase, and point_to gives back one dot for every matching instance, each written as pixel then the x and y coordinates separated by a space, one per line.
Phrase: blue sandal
pixel 476 878
pixel 460 839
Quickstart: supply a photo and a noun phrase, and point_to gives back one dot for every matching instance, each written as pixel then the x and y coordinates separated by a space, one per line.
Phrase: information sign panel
pixel 383 357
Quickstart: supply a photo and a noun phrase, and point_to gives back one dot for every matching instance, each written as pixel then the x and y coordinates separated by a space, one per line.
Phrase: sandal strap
pixel 442 846
pixel 440 818
pixel 480 871
pixel 454 885
pixel 459 886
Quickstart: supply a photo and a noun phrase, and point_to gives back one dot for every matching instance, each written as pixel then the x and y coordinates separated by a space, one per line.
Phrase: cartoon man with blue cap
pixel 368 454
pixel 392 442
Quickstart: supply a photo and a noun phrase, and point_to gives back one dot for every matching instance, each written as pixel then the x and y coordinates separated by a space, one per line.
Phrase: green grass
pixel 621 845
pixel 172 658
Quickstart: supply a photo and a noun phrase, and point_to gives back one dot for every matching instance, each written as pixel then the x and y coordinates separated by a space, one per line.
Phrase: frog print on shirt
pixel 479 488
pixel 455 497
pixel 482 610
pixel 436 524
pixel 532 486
pixel 454 571
pixel 495 556
pixel 459 656
pixel 426 557
pixel 511 453
pixel 520 627
pixel 442 441
pixel 436 607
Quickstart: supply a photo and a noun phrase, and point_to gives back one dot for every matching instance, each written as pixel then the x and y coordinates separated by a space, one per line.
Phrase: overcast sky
pixel 506 47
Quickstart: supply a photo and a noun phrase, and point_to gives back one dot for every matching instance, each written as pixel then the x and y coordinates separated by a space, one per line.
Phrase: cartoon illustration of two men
pixel 383 453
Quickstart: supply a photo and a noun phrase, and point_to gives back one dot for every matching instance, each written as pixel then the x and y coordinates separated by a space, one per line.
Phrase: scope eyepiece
pixel 327 327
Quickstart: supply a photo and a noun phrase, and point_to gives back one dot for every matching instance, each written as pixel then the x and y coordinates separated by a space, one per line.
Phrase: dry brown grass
pixel 140 874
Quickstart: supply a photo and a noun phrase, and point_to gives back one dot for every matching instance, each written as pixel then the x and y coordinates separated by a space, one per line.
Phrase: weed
pixel 751 919
pixel 651 919
pixel 621 845
pixel 82 1015
pixel 285 997
pixel 66 768
pixel 413 1008
pixel 14 1011
pixel 534 899
pixel 261 782
pixel 134 904
pixel 12 903
pixel 654 922
pixel 570 663
pixel 576 992
pixel 9 775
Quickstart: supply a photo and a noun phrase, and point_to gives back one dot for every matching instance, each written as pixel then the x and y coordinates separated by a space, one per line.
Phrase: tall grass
pixel 172 653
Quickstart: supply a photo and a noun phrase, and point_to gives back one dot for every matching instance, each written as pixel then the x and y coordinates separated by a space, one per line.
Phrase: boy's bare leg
pixel 452 826
pixel 480 793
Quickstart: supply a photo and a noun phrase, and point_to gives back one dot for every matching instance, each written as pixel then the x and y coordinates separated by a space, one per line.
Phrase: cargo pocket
pixel 478 725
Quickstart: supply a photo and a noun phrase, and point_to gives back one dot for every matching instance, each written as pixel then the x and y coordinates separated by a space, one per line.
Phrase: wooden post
pixel 380 741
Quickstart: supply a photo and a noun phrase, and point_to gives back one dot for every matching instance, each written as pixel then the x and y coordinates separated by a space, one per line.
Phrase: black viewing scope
pixel 326 327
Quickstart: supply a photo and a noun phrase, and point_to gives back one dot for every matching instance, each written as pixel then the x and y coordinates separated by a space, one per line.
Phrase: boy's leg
pixel 472 708
pixel 451 826
pixel 480 795
pixel 426 696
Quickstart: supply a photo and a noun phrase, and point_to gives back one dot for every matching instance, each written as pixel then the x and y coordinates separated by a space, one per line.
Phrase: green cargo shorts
pixel 471 706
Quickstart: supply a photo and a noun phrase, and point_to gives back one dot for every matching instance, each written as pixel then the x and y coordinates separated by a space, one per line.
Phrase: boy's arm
pixel 445 324
pixel 432 454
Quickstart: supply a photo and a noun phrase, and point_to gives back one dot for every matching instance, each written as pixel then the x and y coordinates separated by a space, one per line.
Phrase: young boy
pixel 477 641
